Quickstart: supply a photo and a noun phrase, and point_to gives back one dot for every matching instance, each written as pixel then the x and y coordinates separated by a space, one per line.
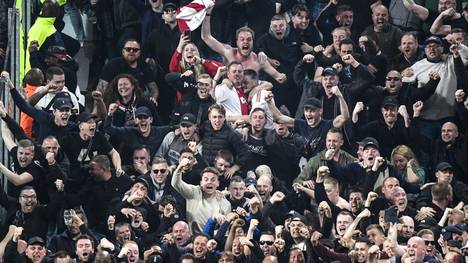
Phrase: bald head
pixel 449 132
pixel 379 17
pixel 270 259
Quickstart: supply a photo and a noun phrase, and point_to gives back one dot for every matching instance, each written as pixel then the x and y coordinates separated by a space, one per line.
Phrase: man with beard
pixel 98 191
pixel 131 137
pixel 173 144
pixel 444 174
pixel 243 52
pixel 313 128
pixel 34 252
pixel 283 51
pixel 84 249
pixel 34 218
pixel 390 130
pixel 25 170
pixel 334 141
pixel 409 54
pixel 255 140
pixel 328 20
pixel 224 160
pixel 80 147
pixel 440 106
pixel 230 94
pixel 371 173
pixel 159 185
pixel 356 200
pixel 203 200
pixel 451 147
pixel 50 124
pixel 387 36
pixel 129 63
pixel 76 227
pixel 405 93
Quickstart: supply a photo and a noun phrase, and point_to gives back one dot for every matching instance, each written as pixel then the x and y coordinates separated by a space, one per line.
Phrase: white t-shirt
pixel 49 96
pixel 228 98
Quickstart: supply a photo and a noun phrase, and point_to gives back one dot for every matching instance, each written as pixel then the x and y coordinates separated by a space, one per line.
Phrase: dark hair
pixel 232 63
pixel 85 236
pixel 411 33
pixel 111 94
pixel 61 255
pixel 343 8
pixel 363 240
pixel 225 155
pixel 458 30
pixel 34 77
pixel 251 73
pixel 54 70
pixel 102 160
pixel 300 8
pixel 50 9
pixel 130 40
pixel 142 147
pixel 347 41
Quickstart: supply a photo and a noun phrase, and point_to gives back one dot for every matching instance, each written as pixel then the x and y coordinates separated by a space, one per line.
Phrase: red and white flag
pixel 191 16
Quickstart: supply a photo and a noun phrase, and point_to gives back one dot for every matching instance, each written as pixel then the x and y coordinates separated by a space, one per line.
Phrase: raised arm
pixel 14 178
pixel 438 27
pixel 206 36
pixel 272 72
pixel 339 120
pixel 184 189
pixel 420 11
pixel 7 137
pixel 277 116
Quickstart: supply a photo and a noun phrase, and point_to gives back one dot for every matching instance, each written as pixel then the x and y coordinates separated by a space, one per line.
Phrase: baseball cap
pixel 141 180
pixel 442 166
pixel 427 223
pixel 329 71
pixel 313 103
pixel 84 117
pixel 433 39
pixel 369 142
pixel 250 181
pixel 169 5
pixel 390 101
pixel 57 51
pixel 61 103
pixel 36 241
pixel 143 111
pixel 188 118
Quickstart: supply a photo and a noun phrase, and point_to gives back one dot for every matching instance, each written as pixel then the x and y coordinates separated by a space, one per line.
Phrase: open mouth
pixel 245 48
pixel 85 254
pixel 380 22
pixel 179 239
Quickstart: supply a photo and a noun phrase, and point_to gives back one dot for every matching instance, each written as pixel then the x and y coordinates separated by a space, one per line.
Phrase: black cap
pixel 61 103
pixel 141 180
pixel 143 111
pixel 442 166
pixel 36 241
pixel 433 39
pixel 390 101
pixel 329 71
pixel 250 181
pixel 369 142
pixel 427 223
pixel 169 5
pixel 56 50
pixel 188 118
pixel 313 103
pixel 84 117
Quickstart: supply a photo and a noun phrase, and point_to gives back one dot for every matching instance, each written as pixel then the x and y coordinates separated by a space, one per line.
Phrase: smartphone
pixel 188 34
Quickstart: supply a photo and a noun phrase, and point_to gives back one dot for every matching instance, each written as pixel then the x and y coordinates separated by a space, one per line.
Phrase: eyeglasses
pixel 429 242
pixel 30 197
pixel 131 49
pixel 268 242
pixel 156 171
pixel 393 78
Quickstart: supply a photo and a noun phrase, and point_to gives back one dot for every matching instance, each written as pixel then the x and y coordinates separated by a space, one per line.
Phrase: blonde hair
pixel 198 68
pixel 406 152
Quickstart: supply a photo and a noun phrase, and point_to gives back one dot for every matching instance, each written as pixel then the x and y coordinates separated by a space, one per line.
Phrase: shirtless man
pixel 243 53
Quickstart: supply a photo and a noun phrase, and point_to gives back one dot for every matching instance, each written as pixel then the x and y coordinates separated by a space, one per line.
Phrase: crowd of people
pixel 277 131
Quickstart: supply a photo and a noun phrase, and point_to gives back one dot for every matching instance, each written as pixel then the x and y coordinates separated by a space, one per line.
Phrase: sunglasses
pixel 131 49
pixel 268 242
pixel 429 242
pixel 156 171
pixel 393 78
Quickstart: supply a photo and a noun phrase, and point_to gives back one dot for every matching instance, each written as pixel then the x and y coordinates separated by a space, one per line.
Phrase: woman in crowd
pixel 404 159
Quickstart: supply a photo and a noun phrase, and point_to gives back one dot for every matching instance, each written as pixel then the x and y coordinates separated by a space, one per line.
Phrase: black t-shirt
pixel 75 147
pixel 314 136
pixel 39 178
pixel 258 152
pixel 117 66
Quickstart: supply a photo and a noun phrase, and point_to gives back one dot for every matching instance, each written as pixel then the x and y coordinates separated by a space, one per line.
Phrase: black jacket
pixel 225 138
